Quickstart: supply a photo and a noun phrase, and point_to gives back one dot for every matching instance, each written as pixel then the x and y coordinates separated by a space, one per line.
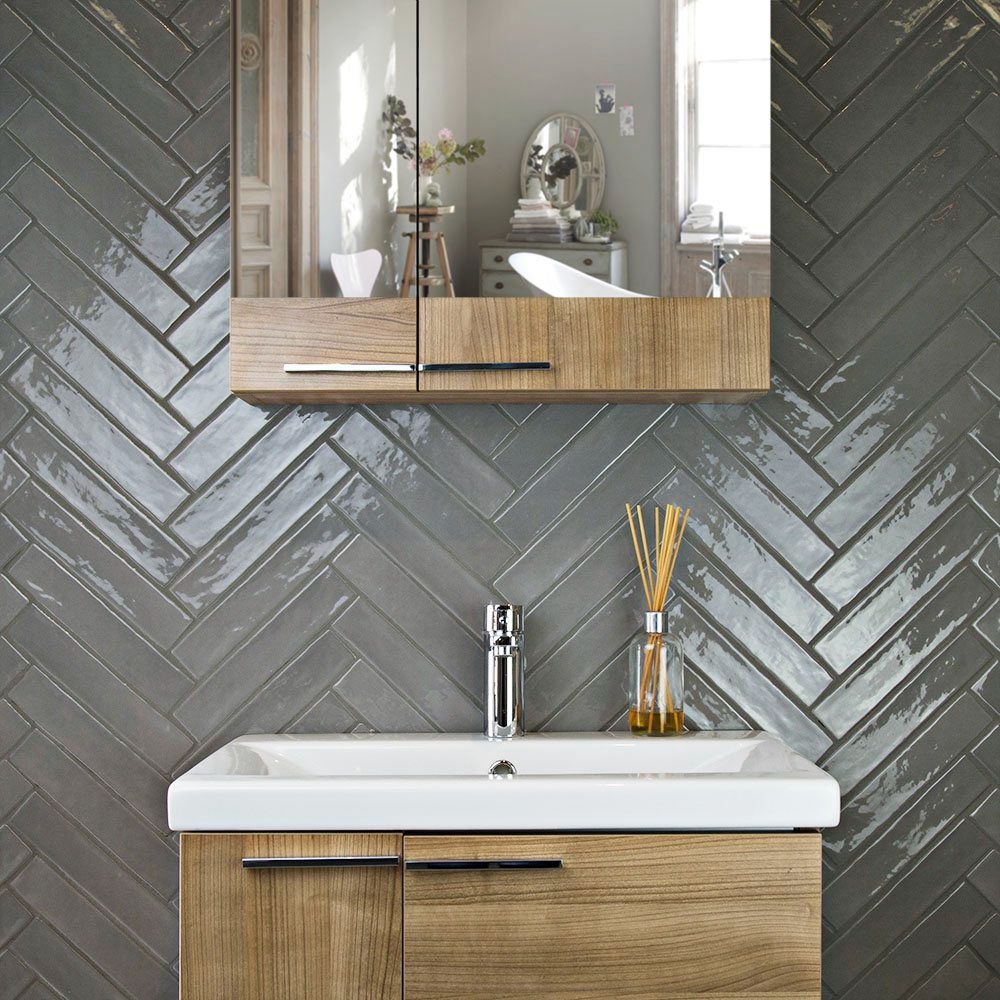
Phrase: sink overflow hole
pixel 503 769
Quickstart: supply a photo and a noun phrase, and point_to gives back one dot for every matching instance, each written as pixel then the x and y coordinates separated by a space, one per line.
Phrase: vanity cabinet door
pixel 657 917
pixel 325 923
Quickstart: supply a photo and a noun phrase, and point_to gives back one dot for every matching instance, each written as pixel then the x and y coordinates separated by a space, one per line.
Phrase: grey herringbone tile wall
pixel 177 567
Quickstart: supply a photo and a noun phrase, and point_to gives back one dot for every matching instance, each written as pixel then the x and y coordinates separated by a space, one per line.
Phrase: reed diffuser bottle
pixel 656 667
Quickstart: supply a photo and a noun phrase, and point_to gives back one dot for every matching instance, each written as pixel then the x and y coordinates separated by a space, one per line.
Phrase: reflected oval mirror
pixel 565 151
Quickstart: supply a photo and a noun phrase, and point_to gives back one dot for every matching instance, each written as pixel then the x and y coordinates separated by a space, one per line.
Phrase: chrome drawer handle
pixel 514 864
pixel 372 861
pixel 499 366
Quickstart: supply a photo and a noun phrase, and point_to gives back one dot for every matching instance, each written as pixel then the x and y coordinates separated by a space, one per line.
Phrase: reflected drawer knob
pixel 588 262
pixel 498 259
pixel 499 285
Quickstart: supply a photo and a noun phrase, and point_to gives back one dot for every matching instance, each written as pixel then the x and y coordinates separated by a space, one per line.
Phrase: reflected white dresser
pixel 607 261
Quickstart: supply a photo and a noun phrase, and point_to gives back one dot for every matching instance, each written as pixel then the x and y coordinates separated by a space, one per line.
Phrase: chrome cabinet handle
pixel 497 865
pixel 461 366
pixel 372 861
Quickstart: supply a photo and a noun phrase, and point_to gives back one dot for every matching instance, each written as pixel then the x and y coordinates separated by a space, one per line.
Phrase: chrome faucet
pixel 720 258
pixel 504 649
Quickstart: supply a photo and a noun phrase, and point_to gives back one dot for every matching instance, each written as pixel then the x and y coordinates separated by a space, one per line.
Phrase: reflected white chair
pixel 356 272
pixel 560 281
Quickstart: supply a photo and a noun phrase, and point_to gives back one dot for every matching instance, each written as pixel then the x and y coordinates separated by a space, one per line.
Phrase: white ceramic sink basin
pixel 593 781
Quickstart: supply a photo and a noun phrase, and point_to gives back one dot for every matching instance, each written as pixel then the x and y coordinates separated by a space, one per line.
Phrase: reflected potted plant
pixel 425 157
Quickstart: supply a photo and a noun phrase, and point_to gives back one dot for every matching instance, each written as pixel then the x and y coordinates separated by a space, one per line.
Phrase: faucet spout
pixel 504 653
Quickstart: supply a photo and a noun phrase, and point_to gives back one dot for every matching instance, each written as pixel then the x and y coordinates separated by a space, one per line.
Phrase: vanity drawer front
pixel 313 915
pixel 641 916
pixel 505 284
pixel 596 260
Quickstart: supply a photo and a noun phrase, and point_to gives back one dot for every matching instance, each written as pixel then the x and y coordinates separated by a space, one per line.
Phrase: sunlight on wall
pixel 353 103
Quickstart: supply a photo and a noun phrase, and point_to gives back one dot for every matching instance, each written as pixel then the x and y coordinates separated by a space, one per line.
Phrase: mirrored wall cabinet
pixel 469 200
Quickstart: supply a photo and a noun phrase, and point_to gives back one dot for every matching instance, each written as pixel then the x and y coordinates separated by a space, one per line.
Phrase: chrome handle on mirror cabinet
pixel 491 865
pixel 369 861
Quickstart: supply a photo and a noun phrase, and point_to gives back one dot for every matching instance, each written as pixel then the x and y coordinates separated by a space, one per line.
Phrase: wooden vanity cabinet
pixel 291 933
pixel 503 917
pixel 656 917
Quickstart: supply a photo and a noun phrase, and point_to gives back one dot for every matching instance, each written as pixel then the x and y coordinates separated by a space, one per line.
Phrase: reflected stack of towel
pixel 702 225
pixel 536 221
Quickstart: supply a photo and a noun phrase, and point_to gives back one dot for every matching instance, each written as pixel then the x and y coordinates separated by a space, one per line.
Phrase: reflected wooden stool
pixel 420 272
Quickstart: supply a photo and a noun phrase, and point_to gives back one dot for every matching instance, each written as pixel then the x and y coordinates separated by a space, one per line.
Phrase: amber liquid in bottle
pixel 656 723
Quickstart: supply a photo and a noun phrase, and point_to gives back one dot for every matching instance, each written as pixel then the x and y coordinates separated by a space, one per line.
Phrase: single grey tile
pixel 112 260
pixel 795 166
pixel 484 427
pixel 204 328
pixel 207 263
pixel 12 411
pixel 13 916
pixel 68 410
pixel 936 557
pixel 934 748
pixel 97 873
pixel 287 568
pixel 988 687
pixel 207 74
pixel 736 483
pixel 794 412
pixel 986 878
pixel 855 187
pixel 76 918
pixel 933 430
pixel 91 308
pixel 207 136
pixel 872 873
pixel 239 677
pixel 852 318
pixel 471 538
pixel 922 377
pixel 370 696
pixel 328 715
pixel 104 816
pixel 12 602
pixel 446 454
pixel 793 104
pixel 932 303
pixel 578 465
pixel 49 332
pixel 12 282
pixel 984 54
pixel 15 976
pixel 14 787
pixel 118 522
pixel 11 476
pixel 909 201
pixel 796 228
pixel 13 726
pixel 98 688
pixel 125 651
pixel 901 525
pixel 986 244
pixel 796 351
pixel 261 464
pixel 13 221
pixel 13 854
pixel 633 476
pixel 889 27
pixel 12 96
pixel 233 554
pixel 219 440
pixel 52 711
pixel 432 566
pixel 541 437
pixel 936 623
pixel 449 644
pixel 960 976
pixel 835 20
pixel 90 49
pixel 12 346
pixel 205 391
pixel 987 369
pixel 987 816
pixel 985 118
pixel 115 200
pixel 988 752
pixel 156 45
pixel 206 198
pixel 108 129
pixel 200 19
pixel 796 290
pixel 986 182
pixel 890 91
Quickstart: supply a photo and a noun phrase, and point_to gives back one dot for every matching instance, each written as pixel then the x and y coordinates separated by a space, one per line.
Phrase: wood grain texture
pixel 639 916
pixel 289 934
pixel 267 334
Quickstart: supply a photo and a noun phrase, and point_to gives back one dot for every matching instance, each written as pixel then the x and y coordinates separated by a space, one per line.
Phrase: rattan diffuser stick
pixel 655 574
